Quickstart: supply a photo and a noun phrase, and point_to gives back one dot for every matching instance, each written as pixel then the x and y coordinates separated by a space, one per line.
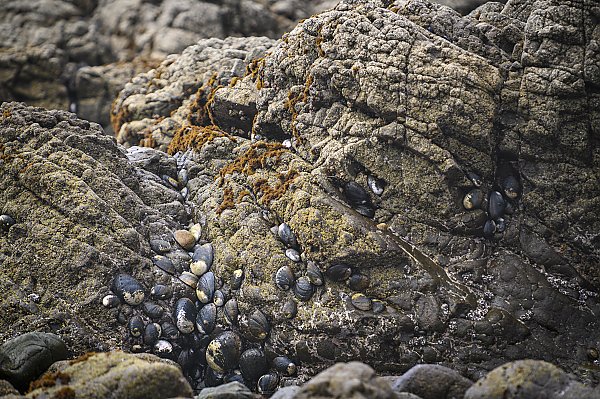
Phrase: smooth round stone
pixel 185 239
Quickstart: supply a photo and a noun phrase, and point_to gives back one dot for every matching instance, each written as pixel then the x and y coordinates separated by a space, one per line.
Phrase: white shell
pixel 162 346
pixel 110 301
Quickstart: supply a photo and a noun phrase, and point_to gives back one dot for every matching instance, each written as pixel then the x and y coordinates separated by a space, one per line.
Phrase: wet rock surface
pixel 365 131
pixel 430 381
pixel 27 356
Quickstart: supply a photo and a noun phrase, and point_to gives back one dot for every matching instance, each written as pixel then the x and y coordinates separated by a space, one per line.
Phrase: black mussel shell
pixel 303 289
pixel 212 378
pixel 151 333
pixel 355 194
pixel 207 318
pixel 258 326
pixel 185 358
pixel 231 312
pixel 378 306
pixel 287 236
pixel 284 278
pixel 164 263
pixel 511 187
pixel 223 352
pixel 358 282
pixel 128 289
pixel 284 365
pixel 111 301
pixel 376 185
pixel 185 315
pixel 475 179
pixel 162 348
pixel 497 204
pixel 489 228
pixel 500 225
pixel 361 302
pixel 6 221
pixel 171 181
pixel 152 310
pixel 268 383
pixel 136 326
pixel 292 254
pixel 160 246
pixel 473 199
pixel 253 364
pixel 509 209
pixel 219 298
pixel 339 272
pixel 189 279
pixel 314 273
pixel 289 309
pixel 206 287
pixel 160 291
pixel 202 259
pixel 169 330
pixel 237 278
pixel 182 176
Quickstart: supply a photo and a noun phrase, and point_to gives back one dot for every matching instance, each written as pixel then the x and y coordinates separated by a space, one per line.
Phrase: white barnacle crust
pixel 184 324
pixel 133 298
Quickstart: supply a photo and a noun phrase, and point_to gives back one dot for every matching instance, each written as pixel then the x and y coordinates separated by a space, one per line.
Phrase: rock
pixel 185 239
pixel 529 379
pixel 26 357
pixel 345 380
pixel 286 392
pixel 113 374
pixel 430 381
pixel 6 388
pixel 232 390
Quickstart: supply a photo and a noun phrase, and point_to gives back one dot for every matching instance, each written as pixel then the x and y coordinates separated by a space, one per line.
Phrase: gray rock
pixel 529 379
pixel 232 390
pixel 286 392
pixel 431 381
pixel 26 357
pixel 345 380
pixel 113 374
pixel 6 388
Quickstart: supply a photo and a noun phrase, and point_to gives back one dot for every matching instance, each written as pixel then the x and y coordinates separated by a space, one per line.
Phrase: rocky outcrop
pixel 45 44
pixel 390 182
pixel 424 107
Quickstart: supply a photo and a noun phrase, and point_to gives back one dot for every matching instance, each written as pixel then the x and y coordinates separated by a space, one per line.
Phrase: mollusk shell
pixel 284 278
pixel 378 306
pixel 196 231
pixel 202 259
pixel 223 352
pixel 128 289
pixel 473 199
pixel 289 309
pixel 111 301
pixel 164 263
pixel 237 278
pixel 253 364
pixel 489 228
pixel 219 298
pixel 339 272
pixel 231 311
pixel 189 279
pixel 207 318
pixel 314 273
pixel 303 289
pixel 258 326
pixel 136 326
pixel 286 235
pixel 292 254
pixel 360 301
pixel 475 179
pixel 268 383
pixel 206 287
pixel 160 246
pixel 284 365
pixel 6 221
pixel 152 310
pixel 162 347
pixel 185 315
pixel 375 184
pixel 151 333
pixel 355 194
pixel 358 282
pixel 497 204
pixel 511 187
pixel 169 330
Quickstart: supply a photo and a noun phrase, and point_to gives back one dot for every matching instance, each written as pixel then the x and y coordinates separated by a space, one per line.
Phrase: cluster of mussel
pixel 190 315
pixel 304 283
pixel 357 197
pixel 498 203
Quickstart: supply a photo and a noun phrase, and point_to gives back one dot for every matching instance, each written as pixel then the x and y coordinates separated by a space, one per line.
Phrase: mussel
pixel 207 319
pixel 284 278
pixel 268 383
pixel 284 365
pixel 258 326
pixel 339 272
pixel 223 352
pixel 185 315
pixel 253 364
pixel 206 287
pixel 128 289
pixel 314 273
pixel 202 259
pixel 303 289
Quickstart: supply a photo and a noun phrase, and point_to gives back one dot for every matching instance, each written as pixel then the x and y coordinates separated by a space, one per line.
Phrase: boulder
pixel 114 374
pixel 430 381
pixel 27 356
pixel 529 379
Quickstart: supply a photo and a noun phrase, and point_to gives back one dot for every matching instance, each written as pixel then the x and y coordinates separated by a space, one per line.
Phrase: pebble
pixel 185 239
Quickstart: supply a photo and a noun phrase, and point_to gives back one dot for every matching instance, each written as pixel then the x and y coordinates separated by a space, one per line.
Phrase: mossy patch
pixel 194 137
pixel 50 380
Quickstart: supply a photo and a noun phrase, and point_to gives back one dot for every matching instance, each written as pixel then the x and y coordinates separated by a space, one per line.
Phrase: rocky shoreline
pixel 389 183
